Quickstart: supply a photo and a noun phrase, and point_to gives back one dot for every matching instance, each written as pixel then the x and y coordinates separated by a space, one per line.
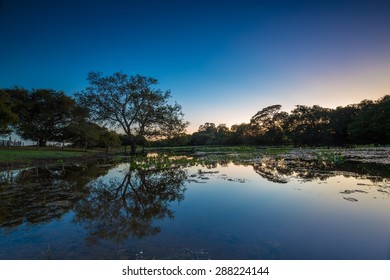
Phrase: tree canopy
pixel 141 110
pixel 133 104
pixel 7 116
pixel 43 114
pixel 365 123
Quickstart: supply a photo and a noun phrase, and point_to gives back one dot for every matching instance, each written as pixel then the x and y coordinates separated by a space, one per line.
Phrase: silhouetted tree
pixel 310 125
pixel 133 104
pixel 269 124
pixel 372 122
pixel 243 134
pixel 205 136
pixel 181 140
pixel 223 135
pixel 340 119
pixel 43 114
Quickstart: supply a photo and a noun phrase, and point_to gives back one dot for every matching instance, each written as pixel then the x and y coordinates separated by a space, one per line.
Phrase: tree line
pixel 130 110
pixel 367 122
pixel 92 118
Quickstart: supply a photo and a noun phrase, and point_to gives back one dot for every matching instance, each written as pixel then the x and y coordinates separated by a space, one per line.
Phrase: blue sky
pixel 222 60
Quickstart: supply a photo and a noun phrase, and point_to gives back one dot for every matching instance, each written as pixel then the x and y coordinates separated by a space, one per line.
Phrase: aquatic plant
pixel 161 162
pixel 277 151
pixel 329 157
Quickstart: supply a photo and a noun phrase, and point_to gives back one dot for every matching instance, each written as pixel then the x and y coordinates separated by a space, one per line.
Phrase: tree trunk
pixel 133 148
pixel 42 142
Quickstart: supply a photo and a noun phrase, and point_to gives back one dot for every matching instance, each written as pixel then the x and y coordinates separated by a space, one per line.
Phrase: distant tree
pixel 205 135
pixel 340 119
pixel 265 117
pixel 381 120
pixel 181 140
pixel 132 104
pixel 201 138
pixel 310 125
pixel 243 134
pixel 8 117
pixel 210 134
pixel 269 124
pixel 209 128
pixel 371 125
pixel 108 138
pixel 224 135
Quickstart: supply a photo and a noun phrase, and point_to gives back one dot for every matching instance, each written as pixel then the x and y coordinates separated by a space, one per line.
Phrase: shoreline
pixel 25 158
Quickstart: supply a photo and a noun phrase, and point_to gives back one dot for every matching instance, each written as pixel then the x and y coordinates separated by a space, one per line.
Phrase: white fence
pixel 12 143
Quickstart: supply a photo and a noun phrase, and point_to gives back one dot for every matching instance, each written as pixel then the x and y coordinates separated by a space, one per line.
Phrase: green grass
pixel 28 154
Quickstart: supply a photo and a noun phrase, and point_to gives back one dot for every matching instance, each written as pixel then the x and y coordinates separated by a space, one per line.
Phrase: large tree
pixel 43 114
pixel 132 103
pixel 310 125
pixel 268 125
pixel 8 117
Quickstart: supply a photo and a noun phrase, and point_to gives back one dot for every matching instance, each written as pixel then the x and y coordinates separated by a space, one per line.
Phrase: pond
pixel 186 209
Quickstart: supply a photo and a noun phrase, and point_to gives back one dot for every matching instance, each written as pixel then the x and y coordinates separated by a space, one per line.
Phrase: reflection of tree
pixel 40 194
pixel 116 208
pixel 274 171
pixel 279 170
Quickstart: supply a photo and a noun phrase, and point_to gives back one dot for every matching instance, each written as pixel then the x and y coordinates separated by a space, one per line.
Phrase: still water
pixel 263 210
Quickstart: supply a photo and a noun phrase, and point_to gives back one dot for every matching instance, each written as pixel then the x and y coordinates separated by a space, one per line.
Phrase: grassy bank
pixel 27 156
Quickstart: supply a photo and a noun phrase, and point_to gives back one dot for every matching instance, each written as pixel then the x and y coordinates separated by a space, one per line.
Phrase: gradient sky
pixel 222 60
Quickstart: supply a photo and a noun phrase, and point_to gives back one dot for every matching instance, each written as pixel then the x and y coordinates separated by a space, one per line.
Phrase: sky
pixel 222 60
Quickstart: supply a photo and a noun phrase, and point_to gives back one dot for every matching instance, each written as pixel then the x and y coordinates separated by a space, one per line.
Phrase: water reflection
pixel 281 171
pixel 269 208
pixel 44 193
pixel 130 201
pixel 118 207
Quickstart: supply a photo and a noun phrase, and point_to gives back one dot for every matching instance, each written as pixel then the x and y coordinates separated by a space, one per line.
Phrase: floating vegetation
pixel 383 191
pixel 238 180
pixel 351 199
pixel 328 157
pixel 161 162
pixel 353 191
pixel 277 151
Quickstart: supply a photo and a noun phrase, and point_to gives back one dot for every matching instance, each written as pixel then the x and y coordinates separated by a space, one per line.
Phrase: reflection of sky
pixel 301 219
pixel 223 60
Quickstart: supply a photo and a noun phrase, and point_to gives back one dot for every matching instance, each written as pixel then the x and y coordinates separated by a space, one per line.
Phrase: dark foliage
pixel 365 123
